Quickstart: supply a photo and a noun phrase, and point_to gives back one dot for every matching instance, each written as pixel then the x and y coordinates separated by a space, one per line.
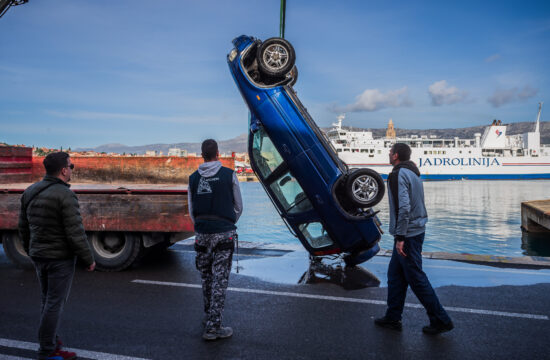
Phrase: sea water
pixel 470 216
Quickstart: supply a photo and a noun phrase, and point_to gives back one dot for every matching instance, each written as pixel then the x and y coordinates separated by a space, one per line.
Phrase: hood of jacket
pixel 209 168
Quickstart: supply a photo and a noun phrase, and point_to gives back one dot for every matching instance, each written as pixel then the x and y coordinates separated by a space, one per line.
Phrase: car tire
pixel 365 188
pixel 115 251
pixel 275 57
pixel 13 247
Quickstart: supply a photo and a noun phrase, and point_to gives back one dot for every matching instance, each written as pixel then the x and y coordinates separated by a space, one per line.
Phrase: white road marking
pixel 9 357
pixel 346 299
pixel 24 345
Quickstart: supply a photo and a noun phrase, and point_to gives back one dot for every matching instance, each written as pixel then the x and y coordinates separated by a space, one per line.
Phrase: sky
pixel 77 73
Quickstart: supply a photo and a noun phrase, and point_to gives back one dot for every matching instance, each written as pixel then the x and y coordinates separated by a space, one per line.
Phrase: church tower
pixel 390 133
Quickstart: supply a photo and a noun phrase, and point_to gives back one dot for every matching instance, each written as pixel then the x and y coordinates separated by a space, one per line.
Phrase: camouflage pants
pixel 214 254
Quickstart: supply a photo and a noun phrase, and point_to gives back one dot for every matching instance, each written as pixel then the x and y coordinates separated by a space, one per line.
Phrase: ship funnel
pixel 538 118
pixel 339 123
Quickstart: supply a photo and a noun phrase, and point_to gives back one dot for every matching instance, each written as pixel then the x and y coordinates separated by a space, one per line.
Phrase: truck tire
pixel 115 251
pixel 13 247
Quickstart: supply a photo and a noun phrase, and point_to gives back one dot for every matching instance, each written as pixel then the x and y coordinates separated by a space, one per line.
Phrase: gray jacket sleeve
pixel 237 199
pixel 74 229
pixel 404 210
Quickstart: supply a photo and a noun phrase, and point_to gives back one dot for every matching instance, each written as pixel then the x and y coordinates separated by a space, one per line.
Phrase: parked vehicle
pixel 326 205
pixel 122 224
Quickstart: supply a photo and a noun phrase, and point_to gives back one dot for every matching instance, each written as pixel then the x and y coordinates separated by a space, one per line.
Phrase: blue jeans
pixel 407 271
pixel 55 278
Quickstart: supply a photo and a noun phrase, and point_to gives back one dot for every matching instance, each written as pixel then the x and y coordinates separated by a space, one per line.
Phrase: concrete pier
pixel 535 216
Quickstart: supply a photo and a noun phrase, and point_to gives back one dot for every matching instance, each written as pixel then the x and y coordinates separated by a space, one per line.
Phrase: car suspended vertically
pixel 327 206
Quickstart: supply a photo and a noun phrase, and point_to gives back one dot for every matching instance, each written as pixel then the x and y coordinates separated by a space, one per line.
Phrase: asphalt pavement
pixel 154 311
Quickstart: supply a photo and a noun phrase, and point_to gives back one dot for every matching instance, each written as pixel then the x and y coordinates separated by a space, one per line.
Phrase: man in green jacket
pixel 53 235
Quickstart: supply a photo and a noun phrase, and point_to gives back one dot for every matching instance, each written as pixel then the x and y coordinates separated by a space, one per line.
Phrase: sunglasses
pixel 71 166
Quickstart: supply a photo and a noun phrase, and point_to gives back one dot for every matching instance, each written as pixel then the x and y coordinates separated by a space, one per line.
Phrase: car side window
pixel 315 235
pixel 290 194
pixel 265 155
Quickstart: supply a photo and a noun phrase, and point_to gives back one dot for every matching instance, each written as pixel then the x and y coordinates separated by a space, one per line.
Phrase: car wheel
pixel 276 57
pixel 365 188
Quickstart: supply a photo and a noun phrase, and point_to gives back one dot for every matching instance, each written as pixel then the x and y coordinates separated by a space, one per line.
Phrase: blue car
pixel 326 205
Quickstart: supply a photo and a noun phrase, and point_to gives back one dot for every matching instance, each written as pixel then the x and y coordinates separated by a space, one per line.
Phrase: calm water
pixel 477 217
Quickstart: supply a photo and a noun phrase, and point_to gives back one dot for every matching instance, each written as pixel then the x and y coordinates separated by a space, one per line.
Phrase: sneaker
pixel 437 328
pixel 388 323
pixel 61 355
pixel 220 333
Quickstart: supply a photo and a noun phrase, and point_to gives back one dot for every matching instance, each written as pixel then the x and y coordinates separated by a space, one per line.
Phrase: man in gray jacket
pixel 51 229
pixel 408 219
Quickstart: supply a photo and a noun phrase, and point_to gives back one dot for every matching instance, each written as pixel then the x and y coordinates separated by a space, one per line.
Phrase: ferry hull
pixel 479 168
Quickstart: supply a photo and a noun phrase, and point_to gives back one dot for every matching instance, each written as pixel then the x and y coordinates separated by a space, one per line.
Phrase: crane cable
pixel 282 19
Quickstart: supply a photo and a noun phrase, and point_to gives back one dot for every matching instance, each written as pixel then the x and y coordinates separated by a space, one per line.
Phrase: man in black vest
pixel 215 205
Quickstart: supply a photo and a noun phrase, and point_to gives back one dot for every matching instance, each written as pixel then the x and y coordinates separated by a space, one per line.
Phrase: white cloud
pixel 441 93
pixel 505 96
pixel 374 99
pixel 492 58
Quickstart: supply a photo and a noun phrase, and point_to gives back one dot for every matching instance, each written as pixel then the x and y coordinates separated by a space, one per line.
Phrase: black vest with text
pixel 212 201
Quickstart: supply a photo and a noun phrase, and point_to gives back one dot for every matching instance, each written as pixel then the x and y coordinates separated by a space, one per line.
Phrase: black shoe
pixel 388 323
pixel 437 328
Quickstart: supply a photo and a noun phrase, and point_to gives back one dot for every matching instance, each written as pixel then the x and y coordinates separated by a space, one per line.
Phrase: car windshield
pixel 315 235
pixel 266 157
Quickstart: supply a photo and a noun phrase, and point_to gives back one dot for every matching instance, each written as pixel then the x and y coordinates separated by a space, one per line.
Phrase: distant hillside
pixel 239 144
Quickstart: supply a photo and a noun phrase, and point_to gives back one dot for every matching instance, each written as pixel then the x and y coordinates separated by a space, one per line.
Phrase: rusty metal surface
pixel 158 209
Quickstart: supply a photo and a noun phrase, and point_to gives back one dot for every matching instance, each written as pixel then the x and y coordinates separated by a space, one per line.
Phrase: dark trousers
pixel 55 278
pixel 407 271
pixel 214 263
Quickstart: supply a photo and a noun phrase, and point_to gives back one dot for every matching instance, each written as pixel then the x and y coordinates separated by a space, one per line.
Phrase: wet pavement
pixel 154 311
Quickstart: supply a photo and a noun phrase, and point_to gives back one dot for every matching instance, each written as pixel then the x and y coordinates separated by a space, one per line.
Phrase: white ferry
pixel 493 155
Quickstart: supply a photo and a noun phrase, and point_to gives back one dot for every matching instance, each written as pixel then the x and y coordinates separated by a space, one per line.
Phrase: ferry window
pixel 346 150
pixel 425 152
pixel 470 151
pixel 290 194
pixel 315 235
pixel 364 150
pixel 460 151
pixel 343 134
pixel 265 156
pixel 338 150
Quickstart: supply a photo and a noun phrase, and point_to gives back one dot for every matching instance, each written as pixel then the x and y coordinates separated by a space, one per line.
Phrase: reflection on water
pixel 477 217
pixel 350 278
pixel 535 244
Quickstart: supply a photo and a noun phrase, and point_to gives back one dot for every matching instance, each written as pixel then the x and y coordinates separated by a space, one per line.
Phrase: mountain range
pixel 239 143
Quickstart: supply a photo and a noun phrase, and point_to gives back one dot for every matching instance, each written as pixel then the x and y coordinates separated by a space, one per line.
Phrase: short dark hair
pixel 402 150
pixel 209 149
pixel 55 162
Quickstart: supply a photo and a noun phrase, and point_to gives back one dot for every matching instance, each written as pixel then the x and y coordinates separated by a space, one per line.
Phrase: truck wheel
pixel 13 247
pixel 115 251
pixel 365 188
